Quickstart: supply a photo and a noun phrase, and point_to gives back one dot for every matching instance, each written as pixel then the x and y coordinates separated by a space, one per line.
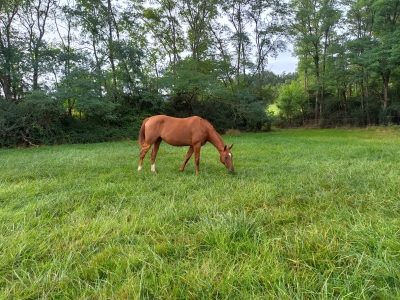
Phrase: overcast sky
pixel 285 62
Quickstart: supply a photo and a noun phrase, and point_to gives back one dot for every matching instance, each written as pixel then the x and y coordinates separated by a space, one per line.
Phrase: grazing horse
pixel 192 131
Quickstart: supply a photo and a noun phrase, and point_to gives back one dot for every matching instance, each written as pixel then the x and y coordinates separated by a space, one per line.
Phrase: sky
pixel 285 62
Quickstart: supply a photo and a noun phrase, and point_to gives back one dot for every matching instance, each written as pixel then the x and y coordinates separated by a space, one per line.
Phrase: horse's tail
pixel 142 134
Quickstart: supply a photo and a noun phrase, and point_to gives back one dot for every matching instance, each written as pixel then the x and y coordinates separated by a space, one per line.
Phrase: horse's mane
pixel 214 137
pixel 209 125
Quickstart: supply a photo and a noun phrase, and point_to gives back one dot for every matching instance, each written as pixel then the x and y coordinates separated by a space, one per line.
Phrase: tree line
pixel 91 70
pixel 349 58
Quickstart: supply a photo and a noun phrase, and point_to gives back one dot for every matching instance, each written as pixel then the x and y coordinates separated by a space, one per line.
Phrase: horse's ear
pixel 229 148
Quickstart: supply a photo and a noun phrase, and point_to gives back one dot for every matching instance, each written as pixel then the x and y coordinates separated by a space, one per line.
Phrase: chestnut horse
pixel 192 131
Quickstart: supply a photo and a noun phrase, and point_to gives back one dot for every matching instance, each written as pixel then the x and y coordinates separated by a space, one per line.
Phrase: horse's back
pixel 159 118
pixel 177 131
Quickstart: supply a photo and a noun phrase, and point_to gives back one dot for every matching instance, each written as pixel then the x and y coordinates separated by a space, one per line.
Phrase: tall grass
pixel 307 215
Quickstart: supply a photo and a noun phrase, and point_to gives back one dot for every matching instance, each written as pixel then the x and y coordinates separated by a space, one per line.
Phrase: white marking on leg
pixel 139 168
pixel 153 167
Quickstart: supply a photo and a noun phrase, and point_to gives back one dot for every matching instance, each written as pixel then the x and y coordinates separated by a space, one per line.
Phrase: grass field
pixel 308 214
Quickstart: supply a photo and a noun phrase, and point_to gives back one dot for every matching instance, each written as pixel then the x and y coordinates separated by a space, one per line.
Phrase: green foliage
pixel 35 120
pixel 41 120
pixel 292 100
pixel 81 93
pixel 337 65
pixel 195 91
pixel 82 132
pixel 249 111
pixel 10 123
pixel 320 222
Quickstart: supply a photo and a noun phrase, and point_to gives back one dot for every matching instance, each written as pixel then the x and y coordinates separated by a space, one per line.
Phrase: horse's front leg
pixel 197 157
pixel 154 154
pixel 187 157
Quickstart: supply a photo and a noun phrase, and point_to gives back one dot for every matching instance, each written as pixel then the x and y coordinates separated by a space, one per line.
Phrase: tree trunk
pixel 5 82
pixel 111 48
pixel 385 79
pixel 318 109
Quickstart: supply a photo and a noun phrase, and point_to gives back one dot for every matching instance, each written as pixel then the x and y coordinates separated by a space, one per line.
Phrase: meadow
pixel 308 214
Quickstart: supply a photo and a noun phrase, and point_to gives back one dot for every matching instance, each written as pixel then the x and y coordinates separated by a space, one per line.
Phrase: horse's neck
pixel 215 139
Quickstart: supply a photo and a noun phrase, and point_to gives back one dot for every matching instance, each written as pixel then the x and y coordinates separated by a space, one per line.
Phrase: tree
pixel 313 26
pixel 166 31
pixel 385 57
pixel 197 14
pixel 292 101
pixel 192 83
pixel 11 51
pixel 360 21
pixel 376 46
pixel 235 11
pixel 34 16
pixel 80 92
pixel 269 22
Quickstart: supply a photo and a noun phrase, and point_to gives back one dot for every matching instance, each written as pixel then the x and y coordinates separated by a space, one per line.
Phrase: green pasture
pixel 308 214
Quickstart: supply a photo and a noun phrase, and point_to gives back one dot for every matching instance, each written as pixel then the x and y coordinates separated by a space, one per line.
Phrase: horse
pixel 193 132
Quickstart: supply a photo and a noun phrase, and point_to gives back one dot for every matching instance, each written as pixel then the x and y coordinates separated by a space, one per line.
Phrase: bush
pixel 10 117
pixel 243 111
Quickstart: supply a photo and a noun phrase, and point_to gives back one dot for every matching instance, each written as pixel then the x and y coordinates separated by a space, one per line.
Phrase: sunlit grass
pixel 273 108
pixel 307 215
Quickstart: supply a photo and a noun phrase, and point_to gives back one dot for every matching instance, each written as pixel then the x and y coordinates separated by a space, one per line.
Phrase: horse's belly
pixel 179 137
pixel 177 140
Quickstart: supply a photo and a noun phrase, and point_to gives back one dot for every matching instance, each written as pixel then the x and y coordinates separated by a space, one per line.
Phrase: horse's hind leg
pixel 154 154
pixel 143 153
pixel 187 157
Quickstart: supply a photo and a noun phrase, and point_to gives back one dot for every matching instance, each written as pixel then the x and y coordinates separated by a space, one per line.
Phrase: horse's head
pixel 226 156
